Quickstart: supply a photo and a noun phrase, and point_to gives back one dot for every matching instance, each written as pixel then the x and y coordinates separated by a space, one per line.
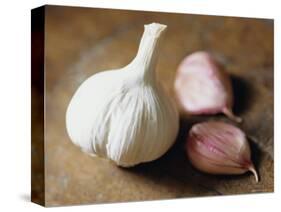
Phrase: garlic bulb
pixel 203 88
pixel 219 148
pixel 125 115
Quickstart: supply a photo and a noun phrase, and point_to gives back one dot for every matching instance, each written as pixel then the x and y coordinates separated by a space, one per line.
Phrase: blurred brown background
pixel 82 41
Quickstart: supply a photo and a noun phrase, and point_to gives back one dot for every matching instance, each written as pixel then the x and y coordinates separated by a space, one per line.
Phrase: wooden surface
pixel 80 42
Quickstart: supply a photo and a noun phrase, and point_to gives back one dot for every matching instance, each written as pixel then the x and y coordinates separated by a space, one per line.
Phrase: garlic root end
pixel 230 115
pixel 253 170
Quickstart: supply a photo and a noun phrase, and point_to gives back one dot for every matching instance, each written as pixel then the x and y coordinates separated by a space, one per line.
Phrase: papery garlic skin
pixel 219 148
pixel 202 87
pixel 125 115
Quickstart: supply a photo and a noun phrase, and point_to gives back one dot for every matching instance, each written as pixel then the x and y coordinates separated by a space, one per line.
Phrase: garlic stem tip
pixel 253 170
pixel 228 112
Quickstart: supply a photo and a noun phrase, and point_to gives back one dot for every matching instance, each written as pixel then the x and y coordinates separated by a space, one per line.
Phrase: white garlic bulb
pixel 125 115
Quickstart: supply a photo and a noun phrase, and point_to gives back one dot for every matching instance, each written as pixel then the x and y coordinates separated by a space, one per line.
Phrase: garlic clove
pixel 125 115
pixel 219 148
pixel 203 88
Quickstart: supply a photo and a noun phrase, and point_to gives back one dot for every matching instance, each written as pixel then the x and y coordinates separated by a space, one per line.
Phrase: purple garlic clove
pixel 203 88
pixel 219 148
